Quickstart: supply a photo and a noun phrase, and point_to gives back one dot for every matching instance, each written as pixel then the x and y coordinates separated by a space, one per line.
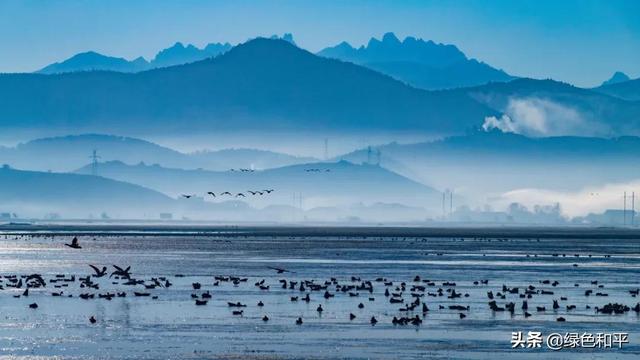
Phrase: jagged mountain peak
pixel 616 78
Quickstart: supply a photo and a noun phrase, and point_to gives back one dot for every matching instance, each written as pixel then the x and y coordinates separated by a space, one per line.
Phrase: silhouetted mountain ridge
pixel 178 54
pixel 424 64
pixel 261 85
pixel 616 78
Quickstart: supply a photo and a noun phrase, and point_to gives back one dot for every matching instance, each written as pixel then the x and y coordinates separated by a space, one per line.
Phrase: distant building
pixel 613 217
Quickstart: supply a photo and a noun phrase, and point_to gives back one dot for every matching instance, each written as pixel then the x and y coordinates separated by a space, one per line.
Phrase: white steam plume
pixel 534 116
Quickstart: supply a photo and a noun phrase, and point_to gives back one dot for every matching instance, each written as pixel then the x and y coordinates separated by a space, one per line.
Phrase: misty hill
pixel 484 163
pixel 552 108
pixel 627 90
pixel 73 195
pixel 71 152
pixel 422 64
pixel 320 184
pixel 260 86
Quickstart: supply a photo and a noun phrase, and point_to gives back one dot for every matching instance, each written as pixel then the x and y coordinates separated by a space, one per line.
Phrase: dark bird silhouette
pixel 121 272
pixel 98 272
pixel 225 193
pixel 268 191
pixel 280 270
pixel 240 195
pixel 211 193
pixel 187 196
pixel 33 306
pixel 92 320
pixel 74 244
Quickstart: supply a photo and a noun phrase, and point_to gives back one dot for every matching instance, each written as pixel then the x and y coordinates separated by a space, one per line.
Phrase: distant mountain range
pixel 420 63
pixel 178 54
pixel 320 184
pixel 71 152
pixel 270 85
pixel 260 86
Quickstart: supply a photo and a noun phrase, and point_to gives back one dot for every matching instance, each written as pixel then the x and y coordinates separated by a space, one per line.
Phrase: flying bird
pixel 74 244
pixel 240 195
pixel 98 272
pixel 122 272
pixel 187 196
pixel 279 270
pixel 211 193
pixel 225 193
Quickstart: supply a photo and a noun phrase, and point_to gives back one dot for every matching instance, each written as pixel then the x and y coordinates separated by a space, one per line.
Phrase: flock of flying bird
pixel 251 192
pixel 227 193
pixel 408 298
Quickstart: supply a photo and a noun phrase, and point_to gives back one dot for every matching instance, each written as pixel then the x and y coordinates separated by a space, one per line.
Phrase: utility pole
pixel 633 207
pixel 94 163
pixel 624 209
pixel 444 197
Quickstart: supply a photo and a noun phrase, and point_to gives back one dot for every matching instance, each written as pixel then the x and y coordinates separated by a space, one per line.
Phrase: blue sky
pixel 578 41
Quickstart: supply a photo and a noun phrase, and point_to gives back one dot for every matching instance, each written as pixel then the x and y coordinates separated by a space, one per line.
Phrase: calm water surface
pixel 171 326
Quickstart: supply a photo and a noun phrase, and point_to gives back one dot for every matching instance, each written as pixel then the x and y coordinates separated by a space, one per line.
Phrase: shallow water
pixel 173 327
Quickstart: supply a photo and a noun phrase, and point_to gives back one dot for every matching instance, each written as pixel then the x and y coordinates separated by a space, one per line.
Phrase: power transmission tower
pixel 94 163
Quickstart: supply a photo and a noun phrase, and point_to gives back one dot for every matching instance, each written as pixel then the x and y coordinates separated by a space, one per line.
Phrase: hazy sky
pixel 578 41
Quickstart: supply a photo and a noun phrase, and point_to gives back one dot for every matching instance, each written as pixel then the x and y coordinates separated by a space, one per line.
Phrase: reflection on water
pixel 173 327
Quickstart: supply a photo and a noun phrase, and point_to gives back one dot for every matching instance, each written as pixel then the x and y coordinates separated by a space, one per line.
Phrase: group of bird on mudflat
pixel 412 309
